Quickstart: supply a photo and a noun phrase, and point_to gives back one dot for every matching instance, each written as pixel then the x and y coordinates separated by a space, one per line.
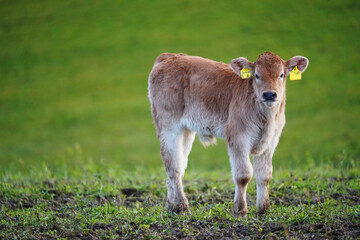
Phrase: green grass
pixel 322 202
pixel 74 75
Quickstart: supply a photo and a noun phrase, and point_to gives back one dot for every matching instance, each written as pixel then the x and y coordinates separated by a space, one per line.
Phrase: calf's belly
pixel 205 128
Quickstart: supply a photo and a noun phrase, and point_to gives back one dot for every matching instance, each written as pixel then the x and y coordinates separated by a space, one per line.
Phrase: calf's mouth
pixel 270 103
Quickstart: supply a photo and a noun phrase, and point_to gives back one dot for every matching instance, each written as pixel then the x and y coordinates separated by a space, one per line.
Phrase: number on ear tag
pixel 295 74
pixel 245 73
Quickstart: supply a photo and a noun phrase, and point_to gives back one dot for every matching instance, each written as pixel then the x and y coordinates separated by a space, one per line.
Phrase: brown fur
pixel 191 94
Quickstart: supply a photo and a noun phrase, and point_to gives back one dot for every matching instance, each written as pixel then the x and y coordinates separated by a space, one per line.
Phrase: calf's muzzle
pixel 269 96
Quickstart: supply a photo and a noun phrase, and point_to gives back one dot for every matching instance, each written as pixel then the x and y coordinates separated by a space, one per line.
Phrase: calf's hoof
pixel 240 214
pixel 262 209
pixel 239 210
pixel 179 207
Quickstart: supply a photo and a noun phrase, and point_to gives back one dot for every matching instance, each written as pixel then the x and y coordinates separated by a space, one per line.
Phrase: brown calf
pixel 192 95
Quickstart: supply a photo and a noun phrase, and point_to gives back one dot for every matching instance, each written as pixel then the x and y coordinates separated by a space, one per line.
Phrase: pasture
pixel 76 128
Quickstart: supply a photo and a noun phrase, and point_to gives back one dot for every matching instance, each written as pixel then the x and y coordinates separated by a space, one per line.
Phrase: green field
pixel 74 77
pixel 74 110
pixel 317 204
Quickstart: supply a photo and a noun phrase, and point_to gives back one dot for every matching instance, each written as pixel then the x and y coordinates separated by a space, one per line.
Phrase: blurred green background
pixel 73 77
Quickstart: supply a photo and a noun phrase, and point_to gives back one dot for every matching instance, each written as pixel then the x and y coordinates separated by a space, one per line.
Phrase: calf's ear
pixel 299 61
pixel 239 63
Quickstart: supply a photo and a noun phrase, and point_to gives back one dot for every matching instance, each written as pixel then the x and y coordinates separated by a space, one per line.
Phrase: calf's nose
pixel 269 96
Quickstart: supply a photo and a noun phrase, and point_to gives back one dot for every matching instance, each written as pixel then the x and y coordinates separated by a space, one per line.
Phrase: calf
pixel 190 95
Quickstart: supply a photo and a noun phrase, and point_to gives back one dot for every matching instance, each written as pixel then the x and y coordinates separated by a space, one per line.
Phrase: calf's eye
pixel 281 75
pixel 257 76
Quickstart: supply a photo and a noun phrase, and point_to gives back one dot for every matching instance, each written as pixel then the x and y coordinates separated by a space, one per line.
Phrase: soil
pixel 215 228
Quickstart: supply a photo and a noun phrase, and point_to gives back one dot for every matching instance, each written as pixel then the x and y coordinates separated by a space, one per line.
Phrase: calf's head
pixel 269 73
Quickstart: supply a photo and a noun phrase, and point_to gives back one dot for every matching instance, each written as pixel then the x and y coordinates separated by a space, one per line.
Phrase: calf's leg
pixel 263 173
pixel 242 173
pixel 187 141
pixel 175 147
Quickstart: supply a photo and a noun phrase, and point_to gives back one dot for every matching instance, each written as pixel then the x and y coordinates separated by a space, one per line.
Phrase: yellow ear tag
pixel 295 74
pixel 245 73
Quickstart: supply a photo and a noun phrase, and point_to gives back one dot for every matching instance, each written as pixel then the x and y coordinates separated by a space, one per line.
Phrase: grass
pixel 322 203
